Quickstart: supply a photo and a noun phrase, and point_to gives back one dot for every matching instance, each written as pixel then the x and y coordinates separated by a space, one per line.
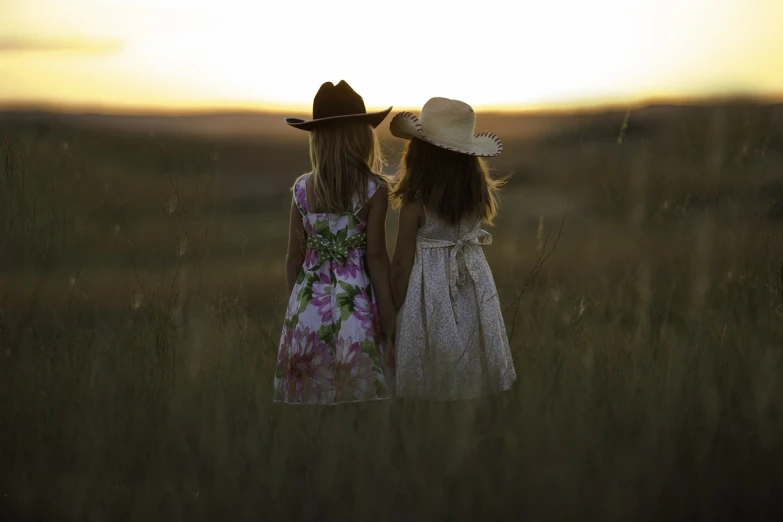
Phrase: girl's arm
pixel 295 253
pixel 411 216
pixel 378 259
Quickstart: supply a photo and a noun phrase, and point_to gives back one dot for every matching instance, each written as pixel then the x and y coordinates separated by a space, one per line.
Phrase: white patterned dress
pixel 331 346
pixel 451 339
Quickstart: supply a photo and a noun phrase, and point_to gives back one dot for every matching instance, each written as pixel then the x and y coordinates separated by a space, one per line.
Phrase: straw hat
pixel 448 124
pixel 338 103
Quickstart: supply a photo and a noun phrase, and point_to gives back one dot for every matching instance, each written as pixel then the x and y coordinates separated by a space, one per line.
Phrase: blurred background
pixel 632 113
pixel 144 195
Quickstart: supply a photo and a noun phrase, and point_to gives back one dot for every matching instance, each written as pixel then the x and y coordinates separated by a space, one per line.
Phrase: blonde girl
pixel 337 267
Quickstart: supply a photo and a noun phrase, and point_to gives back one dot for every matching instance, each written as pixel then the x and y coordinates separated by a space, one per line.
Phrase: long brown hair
pixel 453 185
pixel 343 157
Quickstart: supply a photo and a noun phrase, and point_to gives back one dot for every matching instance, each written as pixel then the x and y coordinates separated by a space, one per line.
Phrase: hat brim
pixel 407 125
pixel 371 118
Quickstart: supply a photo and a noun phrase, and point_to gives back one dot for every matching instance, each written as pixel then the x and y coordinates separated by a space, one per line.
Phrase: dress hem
pixel 471 398
pixel 330 403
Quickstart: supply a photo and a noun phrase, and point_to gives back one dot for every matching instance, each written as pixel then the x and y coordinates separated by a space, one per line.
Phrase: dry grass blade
pixel 534 272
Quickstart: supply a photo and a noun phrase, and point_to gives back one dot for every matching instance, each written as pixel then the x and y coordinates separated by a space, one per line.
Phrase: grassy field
pixel 639 261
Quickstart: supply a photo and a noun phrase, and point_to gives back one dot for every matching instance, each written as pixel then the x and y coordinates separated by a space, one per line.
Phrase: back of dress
pixel 331 346
pixel 435 227
pixel 451 339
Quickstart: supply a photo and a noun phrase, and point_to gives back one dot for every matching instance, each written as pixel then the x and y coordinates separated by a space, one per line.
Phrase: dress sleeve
pixel 300 194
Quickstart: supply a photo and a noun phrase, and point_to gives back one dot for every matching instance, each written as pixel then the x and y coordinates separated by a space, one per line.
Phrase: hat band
pixel 332 112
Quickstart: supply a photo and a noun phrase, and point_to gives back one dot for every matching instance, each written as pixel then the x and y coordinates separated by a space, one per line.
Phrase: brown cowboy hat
pixel 338 103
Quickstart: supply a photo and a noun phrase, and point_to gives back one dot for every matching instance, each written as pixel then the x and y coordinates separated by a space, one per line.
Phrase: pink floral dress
pixel 330 348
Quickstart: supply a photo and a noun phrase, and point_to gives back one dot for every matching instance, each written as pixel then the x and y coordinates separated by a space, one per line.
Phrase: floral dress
pixel 331 345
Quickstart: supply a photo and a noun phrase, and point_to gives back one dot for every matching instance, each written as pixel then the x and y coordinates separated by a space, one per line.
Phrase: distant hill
pixel 510 126
pixel 539 147
pixel 260 124
pixel 227 124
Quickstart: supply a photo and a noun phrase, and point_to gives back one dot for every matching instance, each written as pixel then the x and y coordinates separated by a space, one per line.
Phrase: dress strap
pixel 373 184
pixel 300 194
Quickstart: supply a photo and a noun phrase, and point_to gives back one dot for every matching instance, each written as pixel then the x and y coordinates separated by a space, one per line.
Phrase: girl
pixel 451 341
pixel 337 266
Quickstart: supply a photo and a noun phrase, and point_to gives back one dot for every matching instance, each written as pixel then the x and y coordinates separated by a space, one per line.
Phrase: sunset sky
pixel 275 54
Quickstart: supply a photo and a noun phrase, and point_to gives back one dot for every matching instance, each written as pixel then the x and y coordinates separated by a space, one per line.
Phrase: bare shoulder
pixel 412 210
pixel 412 207
pixel 382 192
pixel 379 198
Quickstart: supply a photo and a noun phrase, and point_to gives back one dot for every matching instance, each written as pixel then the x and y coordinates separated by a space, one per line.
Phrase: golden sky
pixel 262 53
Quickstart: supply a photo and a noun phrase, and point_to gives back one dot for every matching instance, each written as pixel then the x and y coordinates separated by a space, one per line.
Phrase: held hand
pixel 389 364
pixel 389 322
pixel 388 329
pixel 391 354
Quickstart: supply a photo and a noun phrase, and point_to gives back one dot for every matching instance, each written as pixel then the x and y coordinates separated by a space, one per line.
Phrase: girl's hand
pixel 389 323
pixel 389 339
pixel 391 355
pixel 389 363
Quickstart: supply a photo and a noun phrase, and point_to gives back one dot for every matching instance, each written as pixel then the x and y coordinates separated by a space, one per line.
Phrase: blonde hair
pixel 343 157
pixel 453 185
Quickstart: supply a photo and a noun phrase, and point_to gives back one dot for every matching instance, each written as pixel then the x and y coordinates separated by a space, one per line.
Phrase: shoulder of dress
pixel 300 180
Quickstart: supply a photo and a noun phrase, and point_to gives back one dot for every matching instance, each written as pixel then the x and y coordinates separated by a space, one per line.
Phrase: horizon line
pixel 300 109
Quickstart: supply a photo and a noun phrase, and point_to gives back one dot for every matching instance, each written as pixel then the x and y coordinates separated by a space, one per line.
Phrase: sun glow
pixel 261 54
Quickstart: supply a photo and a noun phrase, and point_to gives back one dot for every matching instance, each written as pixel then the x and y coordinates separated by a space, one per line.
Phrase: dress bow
pixel 331 247
pixel 457 276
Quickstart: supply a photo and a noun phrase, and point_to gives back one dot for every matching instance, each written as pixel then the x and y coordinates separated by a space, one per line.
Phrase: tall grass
pixel 649 357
